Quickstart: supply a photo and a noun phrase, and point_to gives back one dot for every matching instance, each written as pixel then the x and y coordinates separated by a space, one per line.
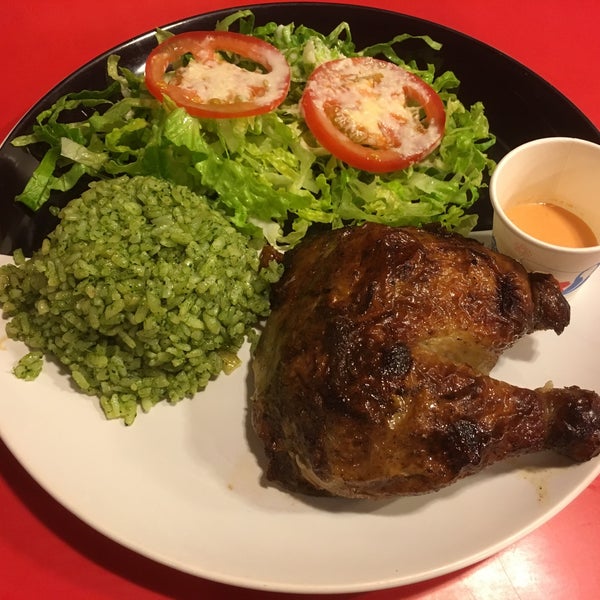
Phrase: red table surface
pixel 45 551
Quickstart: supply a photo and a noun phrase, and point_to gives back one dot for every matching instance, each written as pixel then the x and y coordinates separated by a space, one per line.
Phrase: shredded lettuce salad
pixel 264 172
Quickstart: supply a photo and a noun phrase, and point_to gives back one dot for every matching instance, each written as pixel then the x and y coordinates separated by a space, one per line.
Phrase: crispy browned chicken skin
pixel 371 376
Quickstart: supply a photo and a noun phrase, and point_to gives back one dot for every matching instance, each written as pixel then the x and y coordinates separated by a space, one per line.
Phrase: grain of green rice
pixel 143 292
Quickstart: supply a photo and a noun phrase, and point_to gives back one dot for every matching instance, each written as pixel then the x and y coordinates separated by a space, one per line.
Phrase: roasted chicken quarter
pixel 372 372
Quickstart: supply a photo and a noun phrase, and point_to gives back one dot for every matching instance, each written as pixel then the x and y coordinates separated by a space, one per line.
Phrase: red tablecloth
pixel 46 552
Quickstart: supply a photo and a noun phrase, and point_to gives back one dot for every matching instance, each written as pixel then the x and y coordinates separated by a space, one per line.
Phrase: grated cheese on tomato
pixel 223 82
pixel 371 109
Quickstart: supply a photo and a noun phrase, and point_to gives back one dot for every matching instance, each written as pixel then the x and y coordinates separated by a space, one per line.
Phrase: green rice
pixel 143 292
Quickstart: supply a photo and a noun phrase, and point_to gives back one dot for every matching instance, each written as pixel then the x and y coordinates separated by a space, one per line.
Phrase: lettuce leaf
pixel 265 172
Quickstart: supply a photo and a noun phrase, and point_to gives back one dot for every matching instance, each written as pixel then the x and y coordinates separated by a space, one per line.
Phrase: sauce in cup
pixel 552 224
pixel 556 182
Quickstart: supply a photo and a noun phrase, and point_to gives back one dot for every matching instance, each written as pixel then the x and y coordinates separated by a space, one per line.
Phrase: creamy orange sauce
pixel 552 224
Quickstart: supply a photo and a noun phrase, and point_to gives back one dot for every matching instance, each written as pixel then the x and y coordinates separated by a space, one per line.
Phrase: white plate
pixel 184 484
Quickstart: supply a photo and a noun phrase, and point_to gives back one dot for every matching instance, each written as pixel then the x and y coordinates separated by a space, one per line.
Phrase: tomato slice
pixel 190 68
pixel 372 114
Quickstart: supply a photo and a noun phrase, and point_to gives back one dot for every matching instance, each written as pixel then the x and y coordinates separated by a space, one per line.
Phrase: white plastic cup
pixel 558 170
